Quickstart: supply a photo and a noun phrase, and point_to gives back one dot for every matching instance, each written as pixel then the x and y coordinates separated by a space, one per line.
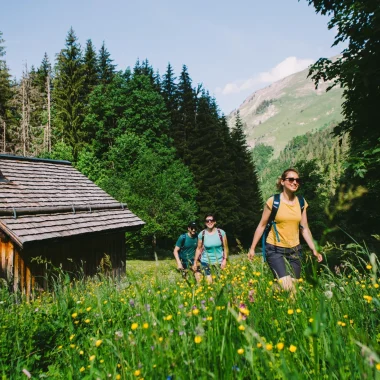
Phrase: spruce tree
pixel 105 66
pixel 6 93
pixel 210 163
pixel 68 94
pixel 182 130
pixel 91 70
pixel 246 183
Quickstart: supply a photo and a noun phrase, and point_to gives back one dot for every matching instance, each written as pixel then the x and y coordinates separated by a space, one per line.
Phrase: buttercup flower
pixel 198 339
pixel 134 326
pixel 292 348
pixel 280 346
pixel 240 351
pixel 98 342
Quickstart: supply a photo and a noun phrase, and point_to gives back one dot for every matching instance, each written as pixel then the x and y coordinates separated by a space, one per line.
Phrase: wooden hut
pixel 50 212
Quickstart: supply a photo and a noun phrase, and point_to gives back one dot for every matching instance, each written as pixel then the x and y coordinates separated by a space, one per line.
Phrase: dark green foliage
pixel 105 66
pixel 182 129
pixel 262 107
pixel 210 162
pixel 247 190
pixel 69 94
pixel 357 71
pixel 5 83
pixel 91 69
pixel 261 155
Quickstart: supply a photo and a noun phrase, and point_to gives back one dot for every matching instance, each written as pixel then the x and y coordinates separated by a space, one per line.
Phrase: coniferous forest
pixel 156 142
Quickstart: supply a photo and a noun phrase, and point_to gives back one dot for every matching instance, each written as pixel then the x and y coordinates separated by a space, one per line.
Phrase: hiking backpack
pixel 271 220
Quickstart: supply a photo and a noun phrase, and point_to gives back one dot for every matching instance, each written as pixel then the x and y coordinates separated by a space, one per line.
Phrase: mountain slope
pixel 288 108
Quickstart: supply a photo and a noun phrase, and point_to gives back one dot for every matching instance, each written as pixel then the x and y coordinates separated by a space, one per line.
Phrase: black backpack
pixel 271 220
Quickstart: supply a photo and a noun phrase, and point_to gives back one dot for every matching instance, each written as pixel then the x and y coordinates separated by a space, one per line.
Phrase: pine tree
pixel 183 128
pixel 210 163
pixel 91 70
pixel 105 66
pixel 246 183
pixel 5 98
pixel 68 94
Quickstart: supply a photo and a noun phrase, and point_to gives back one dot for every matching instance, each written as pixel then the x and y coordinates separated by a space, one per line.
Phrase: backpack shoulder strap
pixel 272 217
pixel 183 240
pixel 301 201
pixel 221 240
pixel 273 213
pixel 203 237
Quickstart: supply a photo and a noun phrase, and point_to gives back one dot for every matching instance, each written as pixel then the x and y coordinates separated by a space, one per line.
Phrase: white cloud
pixel 285 68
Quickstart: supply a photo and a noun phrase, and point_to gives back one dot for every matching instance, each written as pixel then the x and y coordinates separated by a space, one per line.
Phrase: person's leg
pixel 207 272
pixel 278 264
pixel 294 259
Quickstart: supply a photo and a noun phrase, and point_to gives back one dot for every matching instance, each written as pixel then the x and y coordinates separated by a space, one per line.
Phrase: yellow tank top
pixel 287 220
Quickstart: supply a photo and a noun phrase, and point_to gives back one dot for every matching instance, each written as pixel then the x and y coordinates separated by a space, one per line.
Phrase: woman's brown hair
pixel 283 176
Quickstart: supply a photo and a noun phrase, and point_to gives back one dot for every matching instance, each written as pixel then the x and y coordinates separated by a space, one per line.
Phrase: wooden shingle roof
pixel 47 199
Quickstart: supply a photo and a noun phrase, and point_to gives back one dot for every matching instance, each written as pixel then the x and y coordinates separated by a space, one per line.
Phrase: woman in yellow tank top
pixel 283 250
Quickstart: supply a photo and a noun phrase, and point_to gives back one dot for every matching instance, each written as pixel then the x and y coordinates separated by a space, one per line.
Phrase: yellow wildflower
pixel 369 266
pixel 240 351
pixel 145 325
pixel 290 311
pixel 118 377
pixel 74 315
pixel 82 369
pixel 160 338
pixel 280 346
pixel 134 326
pixel 292 348
pixel 92 357
pixel 299 311
pixel 241 328
pixel 378 366
pixel 81 352
pixel 269 347
pixel 311 320
pixel 98 342
pixel 196 311
pixel 87 320
pixel 198 339
pixel 88 309
pixel 259 345
pixel 72 337
pixel 137 372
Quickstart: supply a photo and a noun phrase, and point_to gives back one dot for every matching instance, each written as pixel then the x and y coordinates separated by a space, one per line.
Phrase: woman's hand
pixel 251 253
pixel 317 255
pixel 224 263
pixel 194 267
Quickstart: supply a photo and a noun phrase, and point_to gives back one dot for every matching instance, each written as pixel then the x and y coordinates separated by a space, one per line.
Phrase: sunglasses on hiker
pixel 291 180
pixel 209 220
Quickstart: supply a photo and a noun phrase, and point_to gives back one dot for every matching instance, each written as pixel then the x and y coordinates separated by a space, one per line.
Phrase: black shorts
pixel 284 261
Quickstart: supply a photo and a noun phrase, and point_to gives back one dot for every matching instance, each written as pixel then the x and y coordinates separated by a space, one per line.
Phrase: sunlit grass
pixel 155 325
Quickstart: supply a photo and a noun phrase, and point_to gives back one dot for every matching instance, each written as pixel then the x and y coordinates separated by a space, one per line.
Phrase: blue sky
pixel 232 47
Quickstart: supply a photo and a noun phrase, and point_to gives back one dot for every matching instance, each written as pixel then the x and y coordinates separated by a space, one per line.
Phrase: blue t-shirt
pixel 212 247
pixel 187 251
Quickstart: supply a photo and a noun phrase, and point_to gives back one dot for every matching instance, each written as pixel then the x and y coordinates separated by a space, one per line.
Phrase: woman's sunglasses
pixel 209 220
pixel 291 180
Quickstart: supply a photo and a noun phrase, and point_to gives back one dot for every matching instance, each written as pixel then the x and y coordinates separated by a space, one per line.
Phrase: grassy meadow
pixel 153 324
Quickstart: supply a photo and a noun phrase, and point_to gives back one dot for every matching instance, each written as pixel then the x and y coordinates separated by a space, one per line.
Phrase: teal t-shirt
pixel 188 250
pixel 213 247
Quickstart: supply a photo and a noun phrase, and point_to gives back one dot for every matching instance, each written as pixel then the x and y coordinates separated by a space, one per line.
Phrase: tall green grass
pixel 155 325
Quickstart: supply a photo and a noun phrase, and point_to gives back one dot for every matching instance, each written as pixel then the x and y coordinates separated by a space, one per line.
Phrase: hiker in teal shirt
pixel 184 250
pixel 212 248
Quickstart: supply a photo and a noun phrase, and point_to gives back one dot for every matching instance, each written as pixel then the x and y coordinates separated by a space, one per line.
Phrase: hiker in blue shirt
pixel 212 248
pixel 184 250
